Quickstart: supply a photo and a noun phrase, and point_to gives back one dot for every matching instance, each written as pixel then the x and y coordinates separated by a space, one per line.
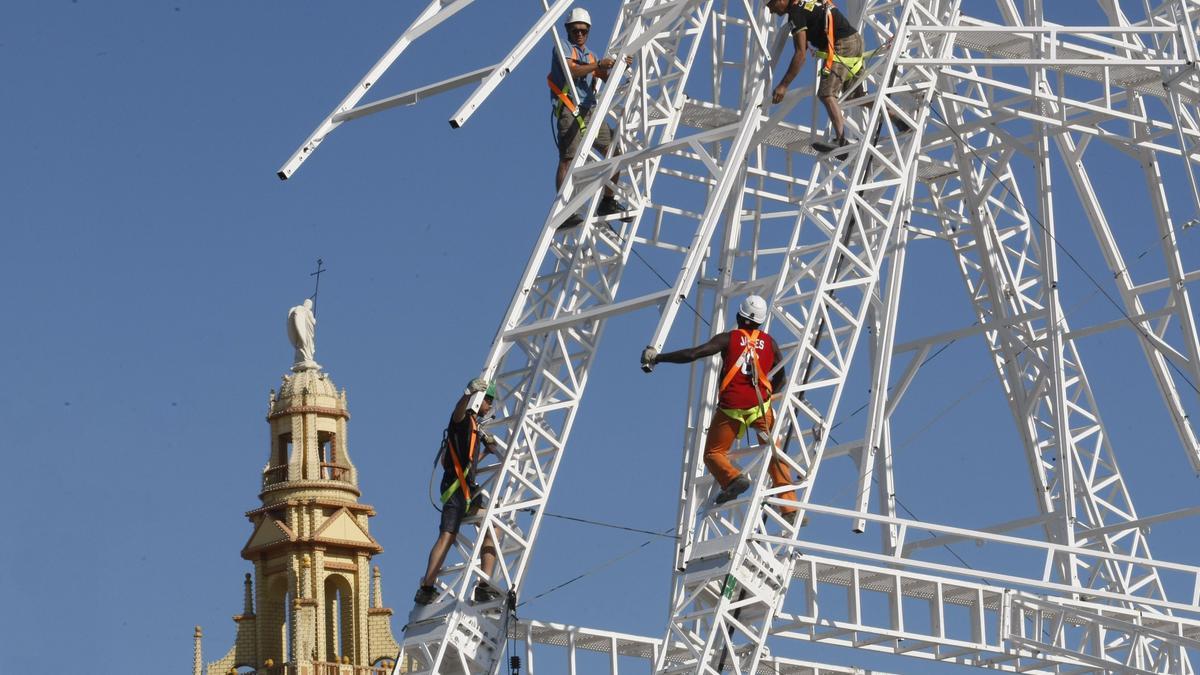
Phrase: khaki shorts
pixel 569 135
pixel 834 82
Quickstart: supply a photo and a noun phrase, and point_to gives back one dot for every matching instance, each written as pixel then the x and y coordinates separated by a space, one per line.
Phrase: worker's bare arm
pixel 579 70
pixel 714 346
pixel 460 408
pixel 800 43
pixel 602 72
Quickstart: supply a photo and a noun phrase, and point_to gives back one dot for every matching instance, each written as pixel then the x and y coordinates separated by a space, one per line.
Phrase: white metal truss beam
pixel 1071 463
pixel 434 14
pixel 1007 612
pixel 566 643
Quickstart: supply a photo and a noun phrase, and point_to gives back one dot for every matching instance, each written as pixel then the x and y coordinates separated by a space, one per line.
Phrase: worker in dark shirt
pixel 460 492
pixel 818 23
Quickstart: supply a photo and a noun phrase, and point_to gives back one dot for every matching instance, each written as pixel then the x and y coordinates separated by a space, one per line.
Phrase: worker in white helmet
pixel 572 116
pixel 748 355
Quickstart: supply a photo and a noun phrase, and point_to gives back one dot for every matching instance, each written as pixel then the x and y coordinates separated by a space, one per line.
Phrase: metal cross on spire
pixel 317 287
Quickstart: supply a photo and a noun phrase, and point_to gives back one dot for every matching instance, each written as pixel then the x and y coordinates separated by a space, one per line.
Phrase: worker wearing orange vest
pixel 837 43
pixel 748 356
pixel 460 494
pixel 572 116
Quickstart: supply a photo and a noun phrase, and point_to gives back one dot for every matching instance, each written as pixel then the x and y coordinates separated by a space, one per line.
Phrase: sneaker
pixel 736 487
pixel 609 205
pixel 426 595
pixel 485 593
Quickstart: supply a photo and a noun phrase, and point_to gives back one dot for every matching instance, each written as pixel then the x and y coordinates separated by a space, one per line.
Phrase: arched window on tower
pixel 280 454
pixel 331 468
pixel 339 618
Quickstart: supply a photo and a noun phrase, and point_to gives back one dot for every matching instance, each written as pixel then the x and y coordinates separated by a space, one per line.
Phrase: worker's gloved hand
pixel 476 385
pixel 649 358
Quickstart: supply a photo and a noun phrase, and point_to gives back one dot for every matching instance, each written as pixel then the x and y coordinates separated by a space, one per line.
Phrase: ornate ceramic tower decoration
pixel 309 603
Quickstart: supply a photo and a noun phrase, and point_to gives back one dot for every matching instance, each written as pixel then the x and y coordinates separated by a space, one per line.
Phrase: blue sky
pixel 150 256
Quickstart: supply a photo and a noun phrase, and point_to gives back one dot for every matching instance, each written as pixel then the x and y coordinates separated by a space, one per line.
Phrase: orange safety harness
pixel 829 33
pixel 829 42
pixel 733 369
pixel 461 479
pixel 564 101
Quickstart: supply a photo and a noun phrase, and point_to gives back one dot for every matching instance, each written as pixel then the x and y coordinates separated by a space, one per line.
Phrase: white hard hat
pixel 578 15
pixel 753 308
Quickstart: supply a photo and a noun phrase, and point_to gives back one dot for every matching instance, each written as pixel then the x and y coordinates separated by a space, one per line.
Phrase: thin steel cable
pixel 614 526
pixel 608 563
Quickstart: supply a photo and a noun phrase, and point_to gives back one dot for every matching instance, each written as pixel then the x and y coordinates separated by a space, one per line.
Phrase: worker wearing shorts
pixel 837 80
pixel 818 23
pixel 574 103
pixel 460 495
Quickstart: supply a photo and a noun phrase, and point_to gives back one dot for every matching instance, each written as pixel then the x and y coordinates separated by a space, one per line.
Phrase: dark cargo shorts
pixel 569 135
pixel 454 510
pixel 834 83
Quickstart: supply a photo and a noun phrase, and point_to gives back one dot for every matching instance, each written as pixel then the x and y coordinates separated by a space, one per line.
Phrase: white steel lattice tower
pixel 968 113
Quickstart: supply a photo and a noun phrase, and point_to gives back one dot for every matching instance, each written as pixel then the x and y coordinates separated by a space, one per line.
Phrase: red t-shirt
pixel 740 392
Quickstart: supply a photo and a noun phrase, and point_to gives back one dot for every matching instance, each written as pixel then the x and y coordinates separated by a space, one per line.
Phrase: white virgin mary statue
pixel 302 328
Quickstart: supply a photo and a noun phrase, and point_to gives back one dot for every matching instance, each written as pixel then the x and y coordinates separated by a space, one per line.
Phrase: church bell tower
pixel 313 604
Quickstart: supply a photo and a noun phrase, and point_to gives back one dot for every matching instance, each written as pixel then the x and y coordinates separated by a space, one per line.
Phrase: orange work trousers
pixel 723 430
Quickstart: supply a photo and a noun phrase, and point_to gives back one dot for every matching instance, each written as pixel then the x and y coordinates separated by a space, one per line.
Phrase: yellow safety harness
pixel 748 416
pixel 562 100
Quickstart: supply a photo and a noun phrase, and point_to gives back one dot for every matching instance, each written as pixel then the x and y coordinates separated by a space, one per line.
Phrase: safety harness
pixel 852 63
pixel 461 479
pixel 747 416
pixel 562 100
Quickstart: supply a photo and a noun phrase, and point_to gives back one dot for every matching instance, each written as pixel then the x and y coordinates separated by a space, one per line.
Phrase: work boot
pixel 736 487
pixel 572 220
pixel 609 205
pixel 841 143
pixel 426 595
pixel 485 593
pixel 790 517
